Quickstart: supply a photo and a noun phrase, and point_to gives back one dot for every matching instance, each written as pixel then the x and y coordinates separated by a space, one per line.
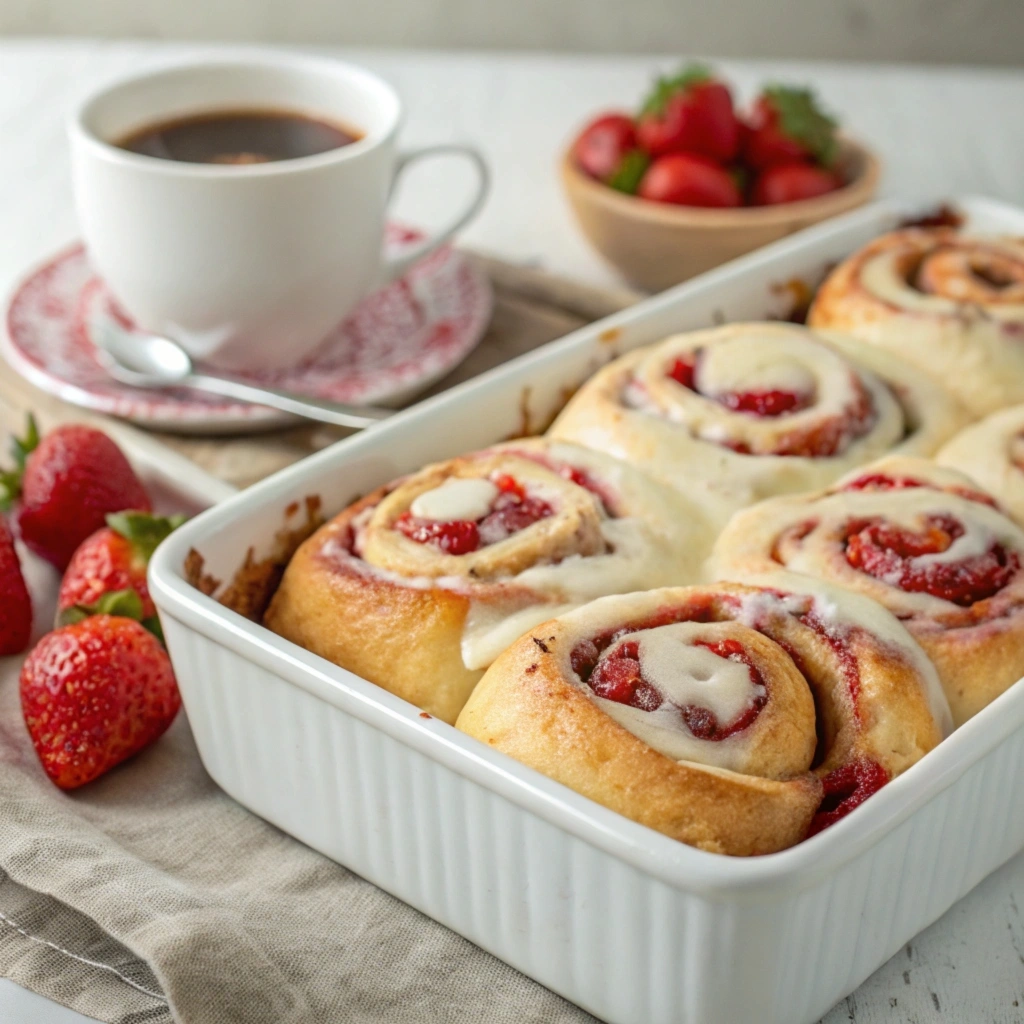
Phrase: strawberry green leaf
pixel 666 86
pixel 146 532
pixel 124 603
pixel 631 169
pixel 741 177
pixel 69 616
pixel 21 448
pixel 10 488
pixel 802 119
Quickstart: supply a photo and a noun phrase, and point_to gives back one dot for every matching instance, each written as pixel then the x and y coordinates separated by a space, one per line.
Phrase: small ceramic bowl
pixel 655 245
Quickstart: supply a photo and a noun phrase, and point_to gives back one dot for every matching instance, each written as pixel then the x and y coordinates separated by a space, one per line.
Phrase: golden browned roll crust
pixel 746 411
pixel 949 304
pixel 991 452
pixel 922 540
pixel 732 718
pixel 421 584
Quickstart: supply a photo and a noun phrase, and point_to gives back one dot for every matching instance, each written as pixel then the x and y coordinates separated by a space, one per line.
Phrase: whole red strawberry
pixel 789 183
pixel 788 125
pixel 606 150
pixel 113 559
pixel 600 147
pixel 94 694
pixel 15 603
pixel 689 113
pixel 689 180
pixel 65 485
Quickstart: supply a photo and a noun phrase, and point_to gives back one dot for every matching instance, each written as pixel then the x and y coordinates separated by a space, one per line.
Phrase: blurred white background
pixel 950 31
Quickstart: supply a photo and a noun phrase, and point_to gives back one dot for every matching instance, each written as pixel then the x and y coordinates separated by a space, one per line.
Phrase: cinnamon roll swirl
pixel 733 718
pixel 746 411
pixel 948 303
pixel 921 540
pixel 421 584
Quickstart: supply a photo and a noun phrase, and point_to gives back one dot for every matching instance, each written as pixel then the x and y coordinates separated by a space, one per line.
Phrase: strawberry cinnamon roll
pixel 419 586
pixel 733 718
pixel 992 453
pixel 921 540
pixel 746 411
pixel 950 304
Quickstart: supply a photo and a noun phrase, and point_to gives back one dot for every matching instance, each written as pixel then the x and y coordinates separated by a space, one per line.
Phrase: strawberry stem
pixel 125 604
pixel 666 86
pixel 145 531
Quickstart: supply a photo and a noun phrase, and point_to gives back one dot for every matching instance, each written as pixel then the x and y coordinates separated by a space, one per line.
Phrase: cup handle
pixel 397 267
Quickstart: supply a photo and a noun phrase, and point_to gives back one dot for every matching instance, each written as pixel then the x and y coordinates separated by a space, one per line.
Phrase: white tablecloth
pixel 941 131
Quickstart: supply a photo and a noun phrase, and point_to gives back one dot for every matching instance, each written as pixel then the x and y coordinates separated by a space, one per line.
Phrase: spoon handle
pixel 310 408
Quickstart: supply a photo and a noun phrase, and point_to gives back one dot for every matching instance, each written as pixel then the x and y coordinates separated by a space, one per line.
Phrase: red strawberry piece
pixel 788 125
pixel 690 112
pixel 65 486
pixel 114 558
pixel 15 603
pixel 600 147
pixel 95 693
pixel 788 183
pixel 689 180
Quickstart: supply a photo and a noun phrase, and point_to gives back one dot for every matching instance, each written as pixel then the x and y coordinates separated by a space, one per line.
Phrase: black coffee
pixel 238 137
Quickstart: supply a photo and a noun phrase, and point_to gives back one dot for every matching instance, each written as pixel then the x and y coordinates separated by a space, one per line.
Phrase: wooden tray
pixel 531 308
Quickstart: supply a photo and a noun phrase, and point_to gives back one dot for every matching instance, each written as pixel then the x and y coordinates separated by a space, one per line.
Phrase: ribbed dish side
pixel 603 934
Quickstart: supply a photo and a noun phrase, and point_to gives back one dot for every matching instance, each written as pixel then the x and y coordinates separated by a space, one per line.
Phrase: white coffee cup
pixel 247 266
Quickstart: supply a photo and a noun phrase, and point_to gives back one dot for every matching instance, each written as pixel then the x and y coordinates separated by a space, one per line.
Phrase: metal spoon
pixel 153 361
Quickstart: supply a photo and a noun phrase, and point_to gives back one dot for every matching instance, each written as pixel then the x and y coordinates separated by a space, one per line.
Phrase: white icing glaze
pixel 881 276
pixel 992 452
pixel 686 674
pixel 838 611
pixel 491 627
pixel 458 498
pixel 690 674
pixel 753 368
pixel 665 731
pixel 976 540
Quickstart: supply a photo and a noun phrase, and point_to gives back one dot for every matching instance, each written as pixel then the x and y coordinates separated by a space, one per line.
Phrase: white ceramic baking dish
pixel 621 920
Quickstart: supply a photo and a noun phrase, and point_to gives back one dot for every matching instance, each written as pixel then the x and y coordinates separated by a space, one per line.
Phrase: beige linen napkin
pixel 151 896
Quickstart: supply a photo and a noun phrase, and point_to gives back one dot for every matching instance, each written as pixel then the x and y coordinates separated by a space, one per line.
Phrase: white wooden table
pixel 940 130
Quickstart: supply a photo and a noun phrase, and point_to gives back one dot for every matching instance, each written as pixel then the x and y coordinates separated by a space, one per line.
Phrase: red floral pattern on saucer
pixel 396 343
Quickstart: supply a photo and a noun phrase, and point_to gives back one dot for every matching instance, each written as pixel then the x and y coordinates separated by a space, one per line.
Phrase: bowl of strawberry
pixel 691 181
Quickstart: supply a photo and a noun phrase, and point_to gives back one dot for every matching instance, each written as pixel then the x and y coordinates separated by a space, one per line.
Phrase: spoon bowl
pixel 142 360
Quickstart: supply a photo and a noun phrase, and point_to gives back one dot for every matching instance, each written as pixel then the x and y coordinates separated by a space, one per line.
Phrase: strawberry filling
pixel 575 475
pixel 883 482
pixel 888 552
pixel 513 510
pixel 764 403
pixel 830 436
pixel 846 788
pixel 770 402
pixel 620 678
pixel 459 537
